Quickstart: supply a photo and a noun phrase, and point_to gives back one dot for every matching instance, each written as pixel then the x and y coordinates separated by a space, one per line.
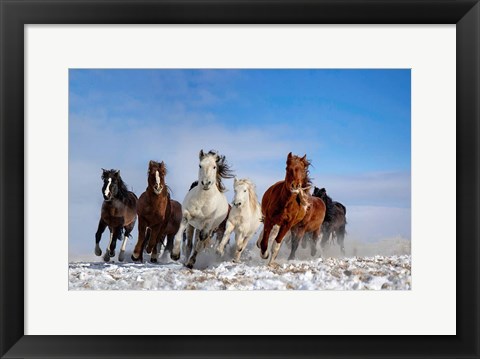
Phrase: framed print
pixel 232 75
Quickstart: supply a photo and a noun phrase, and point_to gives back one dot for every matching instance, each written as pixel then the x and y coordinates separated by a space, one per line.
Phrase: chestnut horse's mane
pixel 307 181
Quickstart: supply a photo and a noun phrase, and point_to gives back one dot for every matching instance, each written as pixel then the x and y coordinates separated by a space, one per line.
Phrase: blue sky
pixel 353 124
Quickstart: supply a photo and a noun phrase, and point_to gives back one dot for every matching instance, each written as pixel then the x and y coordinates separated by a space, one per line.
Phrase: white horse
pixel 205 206
pixel 244 218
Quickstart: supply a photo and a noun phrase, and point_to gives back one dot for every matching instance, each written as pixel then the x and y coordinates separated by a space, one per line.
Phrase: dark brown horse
pixel 119 212
pixel 310 224
pixel 335 220
pixel 285 204
pixel 158 215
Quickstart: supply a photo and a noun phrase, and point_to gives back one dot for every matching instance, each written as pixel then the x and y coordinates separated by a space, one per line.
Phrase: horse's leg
pixel 278 242
pixel 115 234
pixel 190 232
pixel 304 242
pixel 200 241
pixel 169 244
pixel 340 238
pixel 325 237
pixel 175 254
pixel 98 235
pixel 155 236
pixel 106 256
pixel 295 241
pixel 154 254
pixel 241 242
pixel 313 242
pixel 226 236
pixel 137 254
pixel 267 228
pixel 128 229
pixel 157 248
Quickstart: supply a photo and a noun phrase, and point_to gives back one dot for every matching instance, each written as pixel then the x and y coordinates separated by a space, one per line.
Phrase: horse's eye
pixel 214 167
pixel 244 190
pixel 199 166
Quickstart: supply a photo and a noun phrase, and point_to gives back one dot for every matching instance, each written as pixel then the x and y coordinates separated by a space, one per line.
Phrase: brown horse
pixel 118 213
pixel 158 215
pixel 311 223
pixel 285 204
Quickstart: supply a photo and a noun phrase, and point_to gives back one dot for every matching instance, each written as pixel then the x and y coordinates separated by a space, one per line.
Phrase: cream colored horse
pixel 244 218
pixel 205 206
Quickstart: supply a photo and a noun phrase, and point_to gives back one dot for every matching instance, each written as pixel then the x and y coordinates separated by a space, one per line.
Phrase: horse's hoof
pixel 291 258
pixel 139 259
pixel 264 255
pixel 98 251
pixel 111 254
pixel 153 260
pixel 106 257
pixel 121 256
pixel 175 257
pixel 219 252
pixel 189 265
pixel 313 253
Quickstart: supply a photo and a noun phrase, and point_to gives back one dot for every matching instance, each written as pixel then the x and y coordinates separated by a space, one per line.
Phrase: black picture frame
pixel 15 14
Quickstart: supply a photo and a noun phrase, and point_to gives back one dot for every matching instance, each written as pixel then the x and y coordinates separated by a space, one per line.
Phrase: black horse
pixel 335 220
pixel 119 213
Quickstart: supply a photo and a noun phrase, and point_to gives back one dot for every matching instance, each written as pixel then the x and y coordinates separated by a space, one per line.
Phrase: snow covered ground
pixel 390 271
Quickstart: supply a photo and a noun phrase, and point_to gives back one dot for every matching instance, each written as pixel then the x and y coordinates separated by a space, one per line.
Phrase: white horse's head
pixel 207 171
pixel 244 193
pixel 212 168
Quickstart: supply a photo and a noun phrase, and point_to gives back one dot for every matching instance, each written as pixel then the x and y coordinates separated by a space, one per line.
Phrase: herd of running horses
pixel 287 207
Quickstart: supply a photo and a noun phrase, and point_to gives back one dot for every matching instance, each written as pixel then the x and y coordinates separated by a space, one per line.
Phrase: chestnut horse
pixel 335 220
pixel 158 215
pixel 285 204
pixel 311 223
pixel 118 213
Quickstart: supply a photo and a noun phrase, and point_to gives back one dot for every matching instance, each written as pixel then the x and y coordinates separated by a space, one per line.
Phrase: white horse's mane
pixel 252 195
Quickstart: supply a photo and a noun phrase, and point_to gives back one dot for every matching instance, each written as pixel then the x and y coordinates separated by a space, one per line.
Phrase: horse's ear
pixel 289 157
pixel 150 163
pixel 304 158
pixel 201 154
pixel 235 180
pixel 117 173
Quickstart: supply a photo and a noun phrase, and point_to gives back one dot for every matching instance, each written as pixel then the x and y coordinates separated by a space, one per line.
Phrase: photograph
pixel 239 179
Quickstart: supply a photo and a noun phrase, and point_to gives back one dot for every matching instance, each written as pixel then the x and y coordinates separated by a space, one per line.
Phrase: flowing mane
pixel 223 171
